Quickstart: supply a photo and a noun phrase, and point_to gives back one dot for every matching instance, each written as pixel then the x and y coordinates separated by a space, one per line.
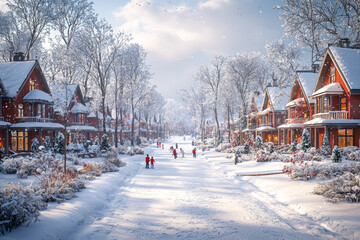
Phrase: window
pixel 332 74
pixel 19 140
pixel 20 110
pixel 32 84
pixel 345 137
pixel 343 103
pixel 326 105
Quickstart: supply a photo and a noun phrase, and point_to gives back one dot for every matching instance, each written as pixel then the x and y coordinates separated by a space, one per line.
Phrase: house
pixel 70 110
pixel 273 113
pixel 300 106
pixel 26 103
pixel 251 118
pixel 337 98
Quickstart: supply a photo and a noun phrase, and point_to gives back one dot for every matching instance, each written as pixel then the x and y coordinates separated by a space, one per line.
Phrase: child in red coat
pixel 152 160
pixel 147 160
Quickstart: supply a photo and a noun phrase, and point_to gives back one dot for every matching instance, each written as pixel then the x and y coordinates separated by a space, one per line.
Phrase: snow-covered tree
pixel 325 146
pixel 246 148
pixel 33 17
pixel 47 143
pixel 104 144
pixel 35 145
pixel 283 60
pixel 336 154
pixel 272 148
pixel 59 146
pixel 293 146
pixel 258 142
pixel 211 79
pixel 305 141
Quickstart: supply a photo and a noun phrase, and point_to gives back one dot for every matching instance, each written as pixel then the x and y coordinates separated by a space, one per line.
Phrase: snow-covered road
pixel 187 199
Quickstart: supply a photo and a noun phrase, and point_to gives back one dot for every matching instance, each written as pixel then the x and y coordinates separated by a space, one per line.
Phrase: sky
pixel 180 36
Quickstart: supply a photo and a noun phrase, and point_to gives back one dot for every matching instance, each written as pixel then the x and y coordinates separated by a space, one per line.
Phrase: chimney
pixel 19 56
pixel 344 43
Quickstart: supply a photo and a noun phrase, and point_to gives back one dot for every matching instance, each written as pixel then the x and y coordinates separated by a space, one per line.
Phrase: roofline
pixel 341 73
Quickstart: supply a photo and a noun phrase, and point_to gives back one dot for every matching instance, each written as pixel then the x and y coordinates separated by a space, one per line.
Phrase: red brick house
pixel 252 118
pixel 26 104
pixel 273 113
pixel 68 99
pixel 300 107
pixel 337 99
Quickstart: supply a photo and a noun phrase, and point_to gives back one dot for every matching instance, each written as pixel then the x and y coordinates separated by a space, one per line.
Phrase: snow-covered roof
pixel 265 111
pixel 63 94
pixel 308 81
pixel 348 60
pixel 332 88
pixel 79 108
pixel 265 129
pixel 37 95
pixel 279 97
pixel 93 115
pixel 4 124
pixel 37 125
pixel 290 126
pixel 13 75
pixel 81 128
pixel 249 130
pixel 296 102
pixel 340 121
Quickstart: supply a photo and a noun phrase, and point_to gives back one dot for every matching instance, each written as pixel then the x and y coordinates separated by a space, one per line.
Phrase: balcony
pixel 34 119
pixel 296 120
pixel 332 115
pixel 265 125
pixel 77 123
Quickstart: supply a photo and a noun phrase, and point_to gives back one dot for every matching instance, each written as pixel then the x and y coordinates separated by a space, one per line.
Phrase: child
pixel 182 152
pixel 194 152
pixel 147 160
pixel 152 162
pixel 175 153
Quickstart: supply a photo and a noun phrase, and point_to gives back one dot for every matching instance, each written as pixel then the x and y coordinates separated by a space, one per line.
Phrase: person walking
pixel 175 153
pixel 147 160
pixel 182 152
pixel 152 160
pixel 194 152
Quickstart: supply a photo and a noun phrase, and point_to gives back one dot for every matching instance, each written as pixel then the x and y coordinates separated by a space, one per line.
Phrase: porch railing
pixel 332 115
pixel 34 119
pixel 296 120
pixel 265 125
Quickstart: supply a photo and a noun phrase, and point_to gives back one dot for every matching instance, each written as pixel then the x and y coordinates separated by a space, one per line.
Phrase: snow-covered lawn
pixel 202 198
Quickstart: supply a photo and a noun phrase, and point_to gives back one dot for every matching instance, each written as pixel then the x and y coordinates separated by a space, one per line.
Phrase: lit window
pixel 20 110
pixel 345 137
pixel 332 74
pixel 343 103
pixel 32 84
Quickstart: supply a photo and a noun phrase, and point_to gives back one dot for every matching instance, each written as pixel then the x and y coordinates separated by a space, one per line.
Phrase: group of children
pixel 151 160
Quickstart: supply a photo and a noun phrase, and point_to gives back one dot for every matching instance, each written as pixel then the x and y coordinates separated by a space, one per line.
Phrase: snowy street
pixel 184 199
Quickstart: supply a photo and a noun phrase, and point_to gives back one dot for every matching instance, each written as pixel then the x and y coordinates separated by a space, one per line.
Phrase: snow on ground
pixel 200 198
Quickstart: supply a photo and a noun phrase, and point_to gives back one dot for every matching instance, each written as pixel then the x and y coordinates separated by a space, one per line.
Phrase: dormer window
pixel 20 110
pixel 332 74
pixel 32 84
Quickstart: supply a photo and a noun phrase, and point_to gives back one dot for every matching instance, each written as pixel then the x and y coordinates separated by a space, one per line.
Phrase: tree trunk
pixel 104 114
pixel 228 111
pixel 121 125
pixel 132 126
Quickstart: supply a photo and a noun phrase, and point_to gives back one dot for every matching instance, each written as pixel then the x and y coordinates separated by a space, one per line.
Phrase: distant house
pixel 26 104
pixel 337 99
pixel 272 114
pixel 68 99
pixel 300 107
pixel 251 118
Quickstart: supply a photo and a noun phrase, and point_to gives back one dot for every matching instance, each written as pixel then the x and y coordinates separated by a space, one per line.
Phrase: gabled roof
pixel 346 61
pixel 14 74
pixel 278 97
pixel 37 95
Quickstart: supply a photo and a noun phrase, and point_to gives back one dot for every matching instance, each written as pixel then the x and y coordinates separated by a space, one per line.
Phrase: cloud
pixel 181 36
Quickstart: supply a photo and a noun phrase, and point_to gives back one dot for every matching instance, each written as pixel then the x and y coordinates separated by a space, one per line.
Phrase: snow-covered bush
pixel 354 156
pixel 232 149
pixel 59 145
pixel 336 154
pixel 346 151
pixel 140 151
pixel 293 146
pixel 301 170
pixel 112 162
pixel 92 170
pixel 271 148
pixel 344 187
pixel 222 147
pixel 122 149
pixel 264 156
pixel 325 148
pixel 138 140
pixel 19 205
pixel 57 186
pixel 47 144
